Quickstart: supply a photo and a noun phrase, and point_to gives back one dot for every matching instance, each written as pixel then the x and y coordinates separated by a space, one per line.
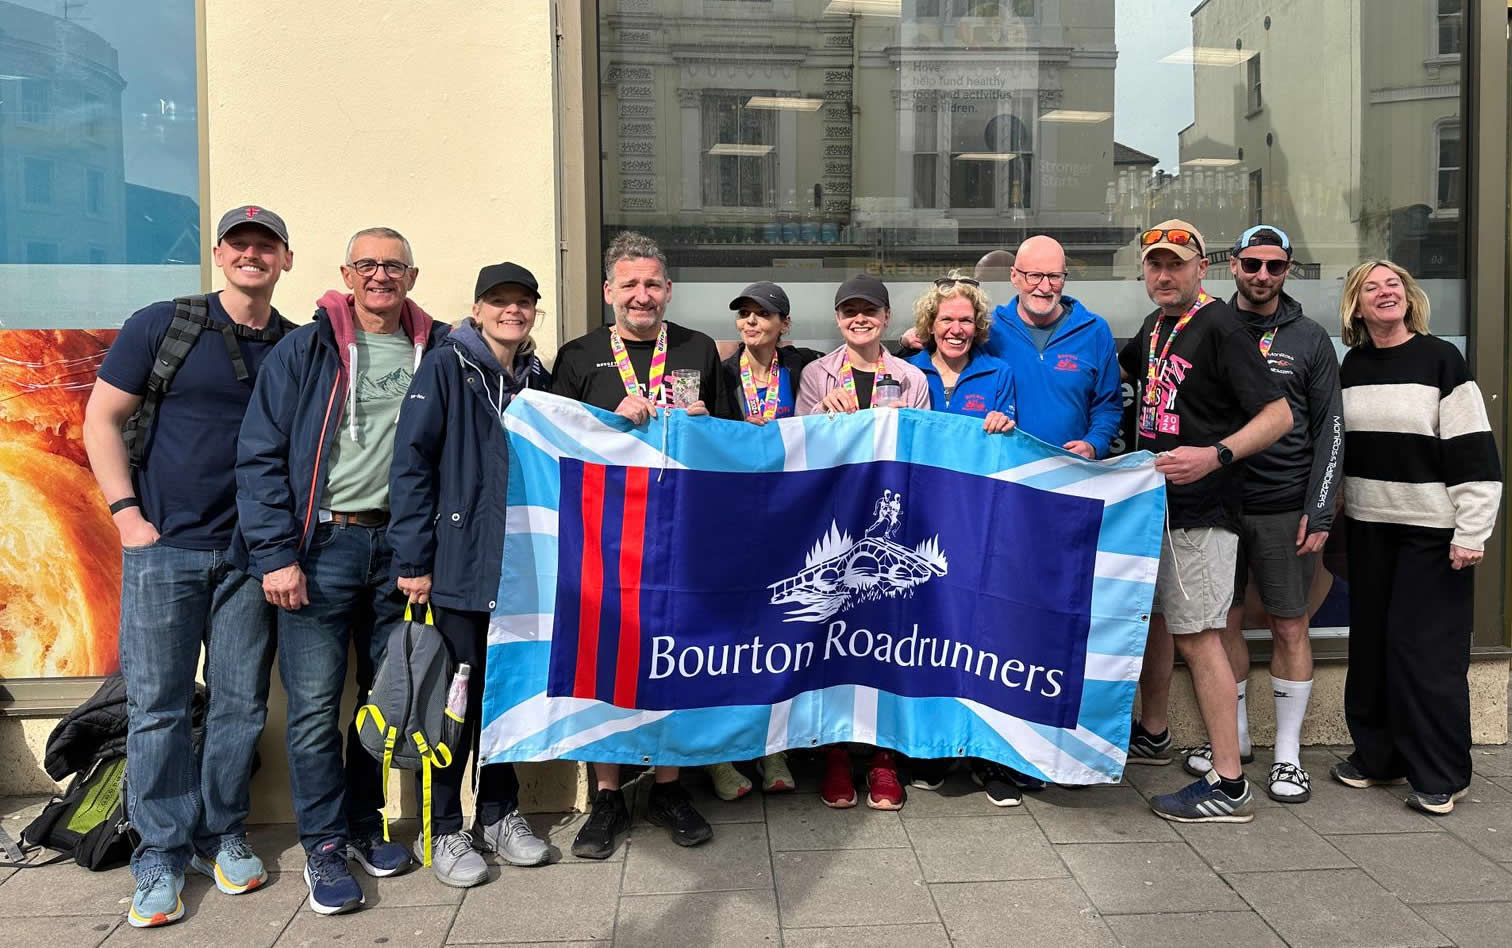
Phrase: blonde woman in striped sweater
pixel 1422 483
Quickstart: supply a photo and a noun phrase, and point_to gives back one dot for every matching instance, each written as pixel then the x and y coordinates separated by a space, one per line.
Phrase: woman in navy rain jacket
pixel 447 493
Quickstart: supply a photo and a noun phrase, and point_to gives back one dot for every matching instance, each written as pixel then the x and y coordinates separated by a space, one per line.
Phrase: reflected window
pixel 41 252
pixel 1450 24
pixel 1253 73
pixel 738 162
pixel 94 186
pixel 36 101
pixel 1257 197
pixel 37 181
pixel 1447 176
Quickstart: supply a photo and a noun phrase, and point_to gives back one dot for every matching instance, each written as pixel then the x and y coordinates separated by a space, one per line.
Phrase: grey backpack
pixel 405 722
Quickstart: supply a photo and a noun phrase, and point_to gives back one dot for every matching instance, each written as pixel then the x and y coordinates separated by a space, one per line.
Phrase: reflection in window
pixel 1256 197
pixel 1253 67
pixel 1451 24
pixel 94 186
pixel 36 98
pixel 1447 177
pixel 738 162
pixel 41 251
pixel 37 181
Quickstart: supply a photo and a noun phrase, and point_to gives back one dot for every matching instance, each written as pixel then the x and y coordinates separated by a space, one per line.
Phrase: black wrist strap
pixel 123 503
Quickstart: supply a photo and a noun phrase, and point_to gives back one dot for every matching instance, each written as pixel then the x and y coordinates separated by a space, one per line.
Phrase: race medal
pixel 766 408
pixel 627 371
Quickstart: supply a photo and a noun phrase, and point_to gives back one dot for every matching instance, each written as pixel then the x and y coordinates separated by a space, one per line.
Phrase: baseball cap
pixel 252 214
pixel 769 296
pixel 1175 235
pixel 863 286
pixel 1263 235
pixel 496 273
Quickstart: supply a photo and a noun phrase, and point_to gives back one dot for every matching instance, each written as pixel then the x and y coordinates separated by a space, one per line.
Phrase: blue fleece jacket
pixel 986 384
pixel 1069 392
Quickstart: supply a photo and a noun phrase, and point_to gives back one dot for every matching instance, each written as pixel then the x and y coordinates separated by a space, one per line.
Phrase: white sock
pixel 1291 708
pixel 1244 737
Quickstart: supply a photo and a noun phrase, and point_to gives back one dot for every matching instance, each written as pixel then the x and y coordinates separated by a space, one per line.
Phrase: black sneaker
pixel 1437 804
pixel 607 821
pixel 928 773
pixel 1350 775
pixel 1025 782
pixel 996 781
pixel 670 806
pixel 1146 748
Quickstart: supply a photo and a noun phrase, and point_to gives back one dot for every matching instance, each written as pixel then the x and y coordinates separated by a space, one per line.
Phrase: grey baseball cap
pixel 769 296
pixel 252 214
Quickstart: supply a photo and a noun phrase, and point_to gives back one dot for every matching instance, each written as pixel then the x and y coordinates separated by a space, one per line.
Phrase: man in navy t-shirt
pixel 176 511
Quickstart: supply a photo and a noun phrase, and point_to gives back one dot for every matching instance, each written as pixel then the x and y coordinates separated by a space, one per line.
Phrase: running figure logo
pixel 839 572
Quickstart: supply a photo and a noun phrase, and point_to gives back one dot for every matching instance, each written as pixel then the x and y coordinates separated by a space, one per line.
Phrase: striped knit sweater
pixel 1417 444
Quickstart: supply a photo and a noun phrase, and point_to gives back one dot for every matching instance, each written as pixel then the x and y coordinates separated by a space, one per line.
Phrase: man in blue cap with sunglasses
pixel 1289 494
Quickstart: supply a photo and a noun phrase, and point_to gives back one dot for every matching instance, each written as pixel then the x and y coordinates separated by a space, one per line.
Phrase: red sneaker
pixel 883 791
pixel 839 788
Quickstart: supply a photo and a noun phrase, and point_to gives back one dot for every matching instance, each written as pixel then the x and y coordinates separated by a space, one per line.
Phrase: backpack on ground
pixel 87 822
pixel 191 314
pixel 406 722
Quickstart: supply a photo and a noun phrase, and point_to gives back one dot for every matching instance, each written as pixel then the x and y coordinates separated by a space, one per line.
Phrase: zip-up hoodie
pixel 342 310
pixel 1070 391
pixel 1304 469
pixel 822 376
pixel 449 482
pixel 291 424
pixel 986 384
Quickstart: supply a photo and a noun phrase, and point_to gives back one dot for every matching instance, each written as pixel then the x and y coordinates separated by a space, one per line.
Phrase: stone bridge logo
pixel 839 572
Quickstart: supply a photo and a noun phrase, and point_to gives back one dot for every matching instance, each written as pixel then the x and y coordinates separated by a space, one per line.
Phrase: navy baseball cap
pixel 863 286
pixel 496 273
pixel 252 214
pixel 1263 235
pixel 769 296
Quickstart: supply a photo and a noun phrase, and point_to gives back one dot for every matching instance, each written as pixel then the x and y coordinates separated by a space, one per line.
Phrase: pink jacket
pixel 822 377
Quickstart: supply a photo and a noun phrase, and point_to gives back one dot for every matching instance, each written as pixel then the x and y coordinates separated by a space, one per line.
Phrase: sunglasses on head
pixel 946 283
pixel 1177 236
pixel 1274 267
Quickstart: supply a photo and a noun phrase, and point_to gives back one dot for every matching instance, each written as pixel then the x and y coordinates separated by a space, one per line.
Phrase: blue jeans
pixel 172 600
pixel 352 602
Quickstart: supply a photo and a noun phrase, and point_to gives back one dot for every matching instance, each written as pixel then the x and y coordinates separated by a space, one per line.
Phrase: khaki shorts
pixel 1194 586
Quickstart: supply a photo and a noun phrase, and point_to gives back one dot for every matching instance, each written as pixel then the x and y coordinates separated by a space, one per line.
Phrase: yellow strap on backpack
pixel 409 614
pixel 390 737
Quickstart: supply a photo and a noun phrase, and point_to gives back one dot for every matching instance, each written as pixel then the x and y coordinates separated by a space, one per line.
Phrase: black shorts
pixel 1268 549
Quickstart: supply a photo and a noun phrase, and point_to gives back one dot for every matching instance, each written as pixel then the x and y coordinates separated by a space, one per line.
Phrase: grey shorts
pixel 1268 549
pixel 1195 583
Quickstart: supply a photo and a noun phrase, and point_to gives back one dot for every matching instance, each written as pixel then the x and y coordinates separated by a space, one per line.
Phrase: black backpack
pixel 88 822
pixel 191 314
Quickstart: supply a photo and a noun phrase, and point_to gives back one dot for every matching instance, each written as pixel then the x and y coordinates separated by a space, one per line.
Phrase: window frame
pixel 1436 169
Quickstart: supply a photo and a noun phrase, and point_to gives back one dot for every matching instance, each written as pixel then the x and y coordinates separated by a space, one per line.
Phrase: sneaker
pixel 235 869
pixel 670 806
pixel 1438 804
pixel 996 781
pixel 456 863
pixel 513 839
pixel 729 783
pixel 332 888
pixel 608 819
pixel 839 787
pixel 775 775
pixel 1197 761
pixel 1146 748
pixel 1025 782
pixel 929 773
pixel 1350 775
pixel 377 856
pixel 156 900
pixel 1202 801
pixel 883 791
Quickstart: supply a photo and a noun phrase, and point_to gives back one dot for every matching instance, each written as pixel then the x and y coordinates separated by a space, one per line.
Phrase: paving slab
pixel 1492 760
pixel 1276 839
pixel 1486 826
pixel 748 809
pixel 416 886
pixel 745 919
pixel 251 920
pixel 277 845
pixel 1336 809
pixel 1230 929
pixel 958 797
pixel 1034 912
pixel 982 849
pixel 66 889
pixel 1428 867
pixel 1153 781
pixel 736 858
pixel 560 829
pixel 851 887
pixel 800 822
pixel 414 927
pixel 1479 925
pixel 73 931
pixel 930 935
pixel 574 901
pixel 1333 908
pixel 1139 878
pixel 1099 815
pixel 1484 790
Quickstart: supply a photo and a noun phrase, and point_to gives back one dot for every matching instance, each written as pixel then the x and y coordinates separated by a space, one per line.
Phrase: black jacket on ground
pixel 96 730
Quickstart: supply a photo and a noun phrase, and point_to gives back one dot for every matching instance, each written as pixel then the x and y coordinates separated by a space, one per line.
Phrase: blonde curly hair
pixel 927 307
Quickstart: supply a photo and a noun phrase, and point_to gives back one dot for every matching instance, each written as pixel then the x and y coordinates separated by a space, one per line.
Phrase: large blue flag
pixel 699 590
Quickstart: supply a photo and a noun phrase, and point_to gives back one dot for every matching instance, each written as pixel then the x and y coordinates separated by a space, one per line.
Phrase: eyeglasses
pixel 946 283
pixel 1177 236
pixel 393 268
pixel 1033 277
pixel 1274 267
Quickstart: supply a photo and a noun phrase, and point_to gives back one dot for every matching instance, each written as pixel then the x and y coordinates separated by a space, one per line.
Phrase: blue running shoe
pixel 235 869
pixel 156 901
pixel 1204 802
pixel 332 888
pixel 377 856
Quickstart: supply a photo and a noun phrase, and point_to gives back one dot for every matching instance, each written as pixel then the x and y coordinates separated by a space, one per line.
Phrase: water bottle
pixel 887 391
pixel 456 696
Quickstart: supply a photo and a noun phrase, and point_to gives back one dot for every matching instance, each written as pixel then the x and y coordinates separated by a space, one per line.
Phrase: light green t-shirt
pixel 359 469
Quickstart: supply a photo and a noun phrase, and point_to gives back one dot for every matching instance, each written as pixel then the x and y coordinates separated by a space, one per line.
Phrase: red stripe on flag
pixel 632 553
pixel 591 594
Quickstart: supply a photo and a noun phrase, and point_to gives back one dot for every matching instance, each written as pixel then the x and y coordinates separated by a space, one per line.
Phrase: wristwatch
pixel 1225 456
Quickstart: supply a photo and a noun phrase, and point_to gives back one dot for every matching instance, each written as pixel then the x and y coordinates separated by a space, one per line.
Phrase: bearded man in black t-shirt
pixel 627 368
pixel 1206 400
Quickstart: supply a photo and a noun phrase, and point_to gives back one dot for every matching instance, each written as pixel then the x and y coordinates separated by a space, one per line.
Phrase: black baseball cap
pixel 1263 235
pixel 496 273
pixel 769 296
pixel 863 286
pixel 252 214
